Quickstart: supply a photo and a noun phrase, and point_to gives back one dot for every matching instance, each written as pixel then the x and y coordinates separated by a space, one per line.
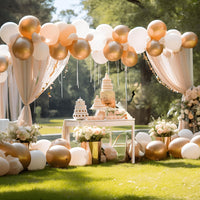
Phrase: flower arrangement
pixel 162 128
pixel 23 133
pixel 190 108
pixel 90 134
pixel 3 136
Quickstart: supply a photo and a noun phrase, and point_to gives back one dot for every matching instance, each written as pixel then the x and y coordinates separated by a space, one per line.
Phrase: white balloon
pixel 105 29
pixel 41 51
pixel 4 166
pixel 143 138
pixel 98 42
pixel 79 156
pixel 42 145
pixel 137 38
pixel 186 133
pixel 174 31
pixel 15 165
pixel 82 28
pixel 4 51
pixel 3 76
pixel 173 42
pixel 51 33
pixel 190 151
pixel 38 160
pixel 7 30
pixel 99 57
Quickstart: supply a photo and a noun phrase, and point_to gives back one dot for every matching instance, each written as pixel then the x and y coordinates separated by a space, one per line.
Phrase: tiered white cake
pixel 107 94
pixel 97 105
pixel 80 111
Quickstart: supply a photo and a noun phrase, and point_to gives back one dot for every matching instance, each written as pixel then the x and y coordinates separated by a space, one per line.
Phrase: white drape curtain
pixel 33 77
pixel 174 69
pixel 13 94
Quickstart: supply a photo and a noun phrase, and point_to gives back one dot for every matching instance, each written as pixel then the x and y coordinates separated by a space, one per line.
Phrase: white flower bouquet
pixel 190 108
pixel 90 134
pixel 162 128
pixel 23 133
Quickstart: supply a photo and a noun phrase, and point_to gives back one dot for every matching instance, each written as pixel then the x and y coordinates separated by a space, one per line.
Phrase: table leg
pixel 66 132
pixel 133 143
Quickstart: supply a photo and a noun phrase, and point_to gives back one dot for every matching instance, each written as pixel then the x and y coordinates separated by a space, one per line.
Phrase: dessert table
pixel 67 123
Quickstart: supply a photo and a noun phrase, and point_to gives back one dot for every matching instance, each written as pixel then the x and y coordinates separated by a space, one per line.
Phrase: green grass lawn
pixel 156 180
pixel 51 126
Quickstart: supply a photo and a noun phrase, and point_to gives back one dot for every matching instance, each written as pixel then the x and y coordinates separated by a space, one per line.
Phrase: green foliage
pixel 172 179
pixel 14 10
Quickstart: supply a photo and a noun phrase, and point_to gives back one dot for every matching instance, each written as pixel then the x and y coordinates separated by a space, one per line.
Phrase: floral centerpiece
pixel 162 128
pixel 3 136
pixel 24 134
pixel 190 108
pixel 90 134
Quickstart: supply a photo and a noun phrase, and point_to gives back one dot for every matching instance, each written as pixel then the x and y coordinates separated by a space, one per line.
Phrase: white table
pixel 67 123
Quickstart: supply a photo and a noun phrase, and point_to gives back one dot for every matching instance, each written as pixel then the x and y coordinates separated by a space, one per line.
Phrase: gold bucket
pixel 95 148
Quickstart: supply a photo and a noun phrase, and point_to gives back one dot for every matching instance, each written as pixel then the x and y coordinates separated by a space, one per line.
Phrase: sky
pixel 68 4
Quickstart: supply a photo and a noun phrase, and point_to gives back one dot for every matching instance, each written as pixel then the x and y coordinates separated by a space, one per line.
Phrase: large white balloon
pixel 41 51
pixel 15 165
pixel 3 76
pixel 98 42
pixel 143 138
pixel 190 151
pixel 105 29
pixel 42 145
pixel 82 27
pixel 79 156
pixel 4 166
pixel 38 160
pixel 137 38
pixel 7 30
pixel 99 57
pixel 186 133
pixel 173 42
pixel 50 32
pixel 174 31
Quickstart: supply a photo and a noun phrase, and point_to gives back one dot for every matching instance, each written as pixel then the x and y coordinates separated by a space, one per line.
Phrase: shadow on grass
pixel 172 163
pixel 83 194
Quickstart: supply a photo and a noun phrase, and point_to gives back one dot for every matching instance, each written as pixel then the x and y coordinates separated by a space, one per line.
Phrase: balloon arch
pixel 40 53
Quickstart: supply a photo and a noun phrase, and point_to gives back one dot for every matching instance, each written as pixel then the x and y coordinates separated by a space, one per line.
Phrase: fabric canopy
pixel 33 77
pixel 174 69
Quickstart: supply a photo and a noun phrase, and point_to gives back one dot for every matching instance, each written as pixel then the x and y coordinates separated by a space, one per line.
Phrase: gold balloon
pixel 62 142
pixel 66 31
pixel 156 150
pixel 80 49
pixel 156 29
pixel 113 50
pixel 189 40
pixel 175 146
pixel 196 140
pixel 22 48
pixel 57 51
pixel 120 33
pixel 28 25
pixel 129 57
pixel 3 63
pixel 58 156
pixel 17 150
pixel 154 48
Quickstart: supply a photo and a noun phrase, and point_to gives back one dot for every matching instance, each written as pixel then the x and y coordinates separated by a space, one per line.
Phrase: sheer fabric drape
pixel 33 77
pixel 176 71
